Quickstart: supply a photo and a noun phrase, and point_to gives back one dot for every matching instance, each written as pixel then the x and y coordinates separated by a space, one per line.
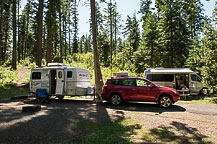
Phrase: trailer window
pixel 60 74
pixel 161 77
pixel 36 75
pixel 69 74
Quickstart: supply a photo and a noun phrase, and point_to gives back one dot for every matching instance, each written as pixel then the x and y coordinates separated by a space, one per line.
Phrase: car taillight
pixel 105 86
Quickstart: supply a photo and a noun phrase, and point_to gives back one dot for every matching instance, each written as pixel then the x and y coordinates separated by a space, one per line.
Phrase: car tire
pixel 165 101
pixel 116 99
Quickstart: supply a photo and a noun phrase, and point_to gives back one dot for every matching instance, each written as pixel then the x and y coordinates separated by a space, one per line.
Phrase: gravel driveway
pixel 60 121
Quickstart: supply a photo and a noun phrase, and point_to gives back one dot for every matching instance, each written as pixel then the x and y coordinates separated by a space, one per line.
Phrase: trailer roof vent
pixel 159 68
pixel 57 64
pixel 121 74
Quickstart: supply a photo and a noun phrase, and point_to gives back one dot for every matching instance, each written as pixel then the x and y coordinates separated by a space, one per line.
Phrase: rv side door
pixel 60 82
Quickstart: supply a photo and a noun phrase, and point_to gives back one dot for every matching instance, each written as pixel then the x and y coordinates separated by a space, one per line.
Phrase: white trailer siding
pixel 74 80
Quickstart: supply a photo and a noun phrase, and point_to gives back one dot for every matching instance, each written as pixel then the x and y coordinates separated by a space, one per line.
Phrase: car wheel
pixel 165 101
pixel 115 99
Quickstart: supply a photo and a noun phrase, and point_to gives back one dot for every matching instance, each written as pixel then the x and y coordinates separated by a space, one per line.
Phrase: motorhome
pixel 61 80
pixel 176 78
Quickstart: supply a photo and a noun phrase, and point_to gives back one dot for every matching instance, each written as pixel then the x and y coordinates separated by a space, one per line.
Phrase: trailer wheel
pixel 60 97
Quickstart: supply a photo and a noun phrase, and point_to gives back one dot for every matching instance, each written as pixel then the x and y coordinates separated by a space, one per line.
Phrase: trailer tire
pixel 60 97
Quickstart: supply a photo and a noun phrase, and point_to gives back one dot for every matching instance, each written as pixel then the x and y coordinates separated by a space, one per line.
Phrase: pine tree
pixel 14 57
pixel 39 36
pixel 75 26
pixel 149 43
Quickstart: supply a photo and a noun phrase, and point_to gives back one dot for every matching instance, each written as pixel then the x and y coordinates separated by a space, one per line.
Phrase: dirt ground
pixel 61 121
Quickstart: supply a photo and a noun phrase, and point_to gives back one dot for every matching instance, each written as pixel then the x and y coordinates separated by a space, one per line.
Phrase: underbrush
pixel 86 61
pixel 7 78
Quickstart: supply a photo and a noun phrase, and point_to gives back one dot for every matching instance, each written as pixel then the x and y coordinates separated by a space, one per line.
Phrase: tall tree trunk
pixel 1 45
pixel 68 6
pixel 14 58
pixel 18 28
pixel 65 35
pixel 60 33
pixel 49 36
pixel 111 44
pixel 39 36
pixel 97 70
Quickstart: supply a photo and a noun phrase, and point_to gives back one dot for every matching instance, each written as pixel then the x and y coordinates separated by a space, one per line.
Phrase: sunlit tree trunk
pixel 97 70
pixel 39 37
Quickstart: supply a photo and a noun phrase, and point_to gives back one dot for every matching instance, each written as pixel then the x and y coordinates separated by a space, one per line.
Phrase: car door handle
pixel 134 89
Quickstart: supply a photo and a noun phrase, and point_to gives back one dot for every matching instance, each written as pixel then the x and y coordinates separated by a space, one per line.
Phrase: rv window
pixel 36 75
pixel 199 79
pixel 69 74
pixel 60 74
pixel 193 77
pixel 160 77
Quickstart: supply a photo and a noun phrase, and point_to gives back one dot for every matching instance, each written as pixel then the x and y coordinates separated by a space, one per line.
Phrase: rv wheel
pixel 203 92
pixel 60 97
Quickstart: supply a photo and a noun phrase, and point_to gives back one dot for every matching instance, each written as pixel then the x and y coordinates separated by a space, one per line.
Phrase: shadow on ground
pixel 64 121
pixel 177 132
pixel 145 107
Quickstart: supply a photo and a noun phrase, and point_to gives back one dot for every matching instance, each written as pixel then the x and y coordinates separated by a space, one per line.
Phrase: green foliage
pixel 7 63
pixel 57 59
pixel 213 100
pixel 7 78
pixel 204 58
pixel 25 62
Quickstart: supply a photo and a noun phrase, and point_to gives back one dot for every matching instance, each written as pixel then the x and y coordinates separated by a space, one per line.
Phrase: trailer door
pixel 60 82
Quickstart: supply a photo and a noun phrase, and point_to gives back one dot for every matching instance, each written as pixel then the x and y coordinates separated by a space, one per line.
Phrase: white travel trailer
pixel 61 80
pixel 176 78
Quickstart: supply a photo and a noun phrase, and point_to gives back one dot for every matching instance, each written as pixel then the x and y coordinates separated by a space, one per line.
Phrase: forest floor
pixel 80 121
pixel 22 84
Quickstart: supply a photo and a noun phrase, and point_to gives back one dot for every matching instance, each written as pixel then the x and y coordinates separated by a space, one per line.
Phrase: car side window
pixel 143 83
pixel 124 82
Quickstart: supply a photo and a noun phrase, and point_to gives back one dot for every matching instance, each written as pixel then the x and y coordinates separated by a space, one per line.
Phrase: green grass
pixel 14 91
pixel 201 101
pixel 110 132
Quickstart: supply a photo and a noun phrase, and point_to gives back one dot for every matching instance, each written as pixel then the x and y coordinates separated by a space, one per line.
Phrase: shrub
pixel 8 63
pixel 7 78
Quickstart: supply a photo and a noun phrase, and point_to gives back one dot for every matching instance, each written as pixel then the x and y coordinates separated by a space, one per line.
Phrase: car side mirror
pixel 152 85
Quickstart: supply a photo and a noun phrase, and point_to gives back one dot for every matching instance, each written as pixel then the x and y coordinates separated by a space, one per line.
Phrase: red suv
pixel 122 89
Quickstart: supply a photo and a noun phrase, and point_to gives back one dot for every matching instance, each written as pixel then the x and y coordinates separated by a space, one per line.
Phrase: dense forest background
pixel 175 33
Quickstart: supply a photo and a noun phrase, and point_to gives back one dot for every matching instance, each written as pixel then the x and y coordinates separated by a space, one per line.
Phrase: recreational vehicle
pixel 176 78
pixel 61 80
